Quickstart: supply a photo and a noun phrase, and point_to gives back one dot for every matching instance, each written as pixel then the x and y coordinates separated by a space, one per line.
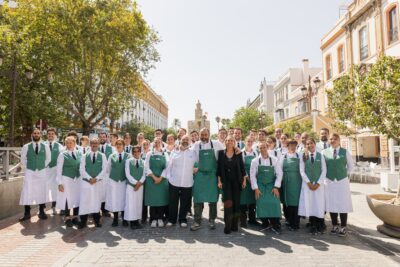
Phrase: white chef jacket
pixel 216 145
pixel 179 171
pixel 303 171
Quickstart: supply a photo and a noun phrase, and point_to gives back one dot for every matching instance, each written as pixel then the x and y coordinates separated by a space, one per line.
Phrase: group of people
pixel 258 178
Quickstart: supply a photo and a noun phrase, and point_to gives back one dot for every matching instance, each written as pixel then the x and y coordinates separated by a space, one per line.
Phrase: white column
pixel 391 155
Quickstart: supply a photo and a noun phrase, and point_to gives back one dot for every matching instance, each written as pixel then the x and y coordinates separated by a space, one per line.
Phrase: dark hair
pixel 136 148
pixel 263 131
pixel 72 133
pixel 120 141
pixel 292 142
pixel 103 133
pixel 222 129
pixel 239 129
pixel 114 134
pixel 272 138
pixel 127 135
pixel 194 131
pixel 51 130
pixel 324 129
pixel 158 130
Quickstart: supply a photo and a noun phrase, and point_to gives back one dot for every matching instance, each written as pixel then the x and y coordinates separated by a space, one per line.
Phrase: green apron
pixel 205 187
pixel 136 171
pixel 247 194
pixel 156 195
pixel 291 183
pixel 268 205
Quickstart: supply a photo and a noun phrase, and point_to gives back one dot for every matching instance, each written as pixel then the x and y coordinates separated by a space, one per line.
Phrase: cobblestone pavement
pixel 49 243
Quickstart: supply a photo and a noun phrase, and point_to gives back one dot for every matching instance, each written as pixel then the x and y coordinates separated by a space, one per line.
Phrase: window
pixel 340 52
pixel 328 67
pixel 363 34
pixel 393 25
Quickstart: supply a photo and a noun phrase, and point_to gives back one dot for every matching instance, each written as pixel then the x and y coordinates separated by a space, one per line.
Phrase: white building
pixel 264 101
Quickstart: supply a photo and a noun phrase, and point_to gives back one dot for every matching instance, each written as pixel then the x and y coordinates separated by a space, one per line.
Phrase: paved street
pixel 49 243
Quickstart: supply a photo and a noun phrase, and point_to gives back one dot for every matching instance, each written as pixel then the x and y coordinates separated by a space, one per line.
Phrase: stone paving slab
pixel 49 243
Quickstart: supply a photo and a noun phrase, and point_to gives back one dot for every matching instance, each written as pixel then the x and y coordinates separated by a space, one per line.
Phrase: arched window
pixel 341 64
pixel 392 24
pixel 364 49
pixel 328 67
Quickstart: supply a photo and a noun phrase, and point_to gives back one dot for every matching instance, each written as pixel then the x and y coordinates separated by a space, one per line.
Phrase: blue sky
pixel 218 51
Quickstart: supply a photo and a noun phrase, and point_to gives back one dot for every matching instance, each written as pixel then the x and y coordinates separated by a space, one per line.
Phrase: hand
pixel 237 151
pixel 311 186
pixel 316 186
pixel 92 181
pixel 275 192
pixel 60 188
pixel 137 186
pixel 219 185
pixel 244 184
pixel 159 179
pixel 247 178
pixel 257 193
pixel 195 170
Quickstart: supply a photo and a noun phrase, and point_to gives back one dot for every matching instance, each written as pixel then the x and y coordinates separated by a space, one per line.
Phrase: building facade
pixel 148 108
pixel 200 119
pixel 368 29
pixel 264 101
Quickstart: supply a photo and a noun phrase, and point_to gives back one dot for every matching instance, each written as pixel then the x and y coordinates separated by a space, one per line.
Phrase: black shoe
pixel 25 218
pixel 254 222
pixel 226 231
pixel 308 224
pixel 125 223
pixel 42 216
pixel 313 230
pixel 62 213
pixel 75 221
pixel 98 225
pixel 132 225
pixel 81 226
pixel 114 224
pixel 105 214
pixel 68 223
pixel 276 230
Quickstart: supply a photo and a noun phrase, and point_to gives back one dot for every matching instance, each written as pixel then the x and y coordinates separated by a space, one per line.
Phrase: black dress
pixel 232 173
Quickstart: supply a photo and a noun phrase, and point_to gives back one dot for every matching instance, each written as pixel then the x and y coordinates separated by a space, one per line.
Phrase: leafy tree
pixel 133 128
pixel 291 127
pixel 249 118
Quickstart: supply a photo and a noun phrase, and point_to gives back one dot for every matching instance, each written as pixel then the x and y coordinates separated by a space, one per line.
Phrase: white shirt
pixel 320 146
pixel 300 148
pixel 275 154
pixel 24 153
pixel 216 145
pixel 84 149
pixel 60 164
pixel 128 172
pixel 179 171
pixel 82 167
pixel 303 166
pixel 265 162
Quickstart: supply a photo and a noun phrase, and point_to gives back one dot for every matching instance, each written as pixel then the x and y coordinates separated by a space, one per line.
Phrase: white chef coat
pixel 265 162
pixel 90 194
pixel 312 203
pixel 34 187
pixel 52 185
pixel 216 145
pixel 133 199
pixel 179 171
pixel 320 146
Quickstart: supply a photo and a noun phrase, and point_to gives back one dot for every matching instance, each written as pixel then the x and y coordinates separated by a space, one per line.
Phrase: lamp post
pixel 261 118
pixel 218 120
pixel 309 91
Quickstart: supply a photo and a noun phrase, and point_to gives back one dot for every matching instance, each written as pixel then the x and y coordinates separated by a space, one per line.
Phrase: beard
pixel 36 139
pixel 324 138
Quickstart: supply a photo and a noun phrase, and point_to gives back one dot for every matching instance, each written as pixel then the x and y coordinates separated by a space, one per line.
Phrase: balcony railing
pixel 10 163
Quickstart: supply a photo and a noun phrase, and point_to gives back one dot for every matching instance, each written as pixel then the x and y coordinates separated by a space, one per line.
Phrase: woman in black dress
pixel 231 175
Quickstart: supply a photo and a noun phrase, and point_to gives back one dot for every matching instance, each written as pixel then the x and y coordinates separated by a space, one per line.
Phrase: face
pixel 231 132
pixel 292 148
pixel 253 135
pixel 249 143
pixel 51 136
pixel 263 150
pixel 204 136
pixel 120 147
pixel 84 142
pixel 140 139
pixel 238 135
pixel 157 143
pixel 278 133
pixel 222 135
pixel 323 135
pixel 114 139
pixel 181 133
pixel 310 146
pixel 304 138
pixel 261 136
pixel 297 137
pixel 146 146
pixel 36 135
pixel 270 143
pixel 103 139
pixel 283 139
pixel 94 145
pixel 230 143
pixel 334 141
pixel 185 141
pixel 195 137
pixel 70 144
pixel 170 140
pixel 127 140
pixel 158 134
pixel 136 153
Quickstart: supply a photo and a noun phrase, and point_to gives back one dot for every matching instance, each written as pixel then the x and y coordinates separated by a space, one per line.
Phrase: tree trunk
pixel 85 128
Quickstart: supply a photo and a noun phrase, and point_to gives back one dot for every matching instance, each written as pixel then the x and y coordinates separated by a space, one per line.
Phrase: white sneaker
pixel 184 225
pixel 160 223
pixel 169 224
pixel 221 209
pixel 153 224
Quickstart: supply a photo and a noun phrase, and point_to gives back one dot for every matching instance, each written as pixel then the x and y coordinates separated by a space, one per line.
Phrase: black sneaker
pixel 254 222
pixel 335 230
pixel 276 230
pixel 342 232
pixel 125 223
pixel 75 221
pixel 313 230
pixel 114 224
pixel 42 216
pixel 26 217
pixel 98 225
pixel 81 226
pixel 68 223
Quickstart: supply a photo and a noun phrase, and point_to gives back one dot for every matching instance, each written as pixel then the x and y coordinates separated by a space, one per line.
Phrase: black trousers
pixel 157 213
pixel 274 222
pixel 248 212
pixel 116 215
pixel 103 208
pixel 96 218
pixel 317 223
pixel 75 211
pixel 27 209
pixel 293 217
pixel 182 197
pixel 231 196
pixel 145 210
pixel 343 219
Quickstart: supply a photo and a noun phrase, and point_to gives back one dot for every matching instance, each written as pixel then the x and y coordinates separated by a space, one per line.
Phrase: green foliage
pixel 291 127
pixel 249 118
pixel 97 52
pixel 133 128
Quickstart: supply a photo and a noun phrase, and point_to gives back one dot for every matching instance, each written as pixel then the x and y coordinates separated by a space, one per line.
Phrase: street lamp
pixel 315 113
pixel 309 91
pixel 218 120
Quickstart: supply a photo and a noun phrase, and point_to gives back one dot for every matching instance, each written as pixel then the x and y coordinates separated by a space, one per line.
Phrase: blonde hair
pixel 70 138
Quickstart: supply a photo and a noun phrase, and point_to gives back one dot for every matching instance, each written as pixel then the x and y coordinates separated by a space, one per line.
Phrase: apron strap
pixel 270 162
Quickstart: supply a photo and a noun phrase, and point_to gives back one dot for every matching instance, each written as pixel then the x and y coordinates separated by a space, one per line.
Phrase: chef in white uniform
pixel 312 196
pixel 272 150
pixel 55 148
pixel 36 156
pixel 127 141
pixel 339 165
pixel 85 145
pixel 93 169
pixel 135 175
pixel 68 175
pixel 323 139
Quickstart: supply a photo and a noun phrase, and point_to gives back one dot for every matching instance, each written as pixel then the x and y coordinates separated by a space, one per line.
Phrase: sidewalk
pixel 48 243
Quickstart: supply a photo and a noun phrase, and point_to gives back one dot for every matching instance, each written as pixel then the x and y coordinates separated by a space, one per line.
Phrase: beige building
pixel 200 119
pixel 368 29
